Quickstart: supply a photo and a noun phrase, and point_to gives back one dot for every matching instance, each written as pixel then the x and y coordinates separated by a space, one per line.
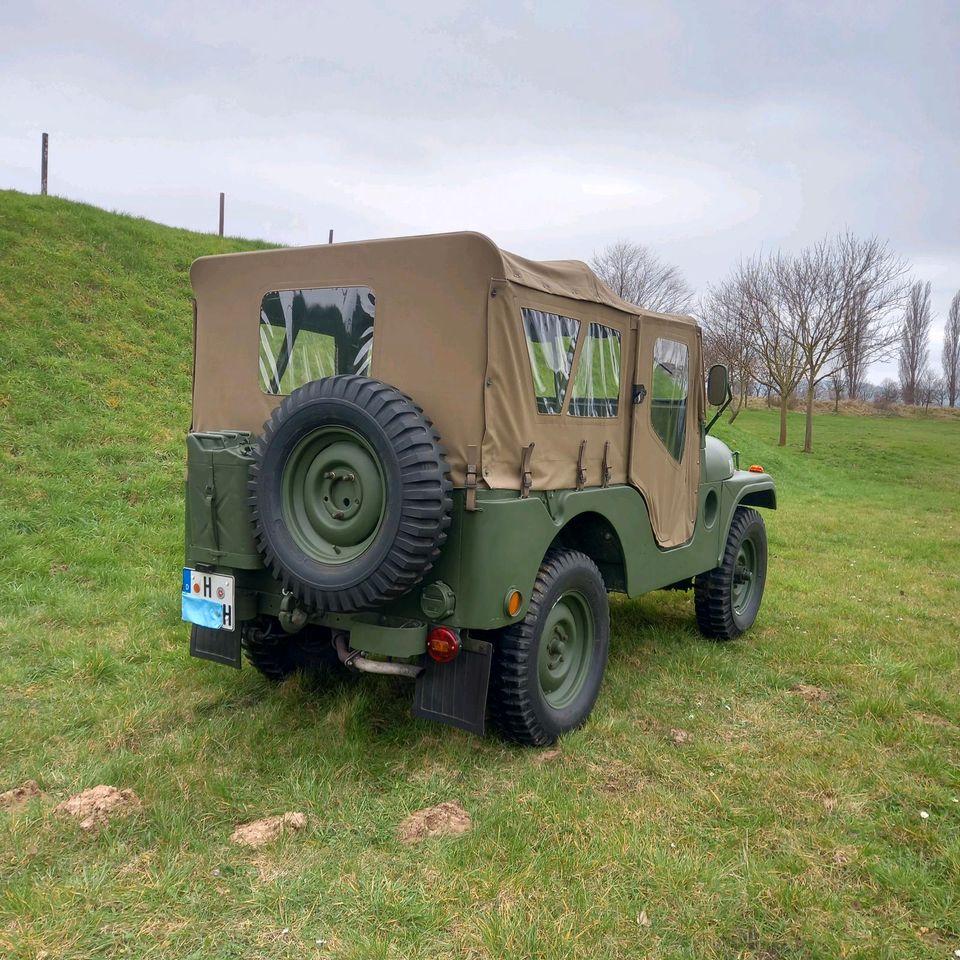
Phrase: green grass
pixel 783 829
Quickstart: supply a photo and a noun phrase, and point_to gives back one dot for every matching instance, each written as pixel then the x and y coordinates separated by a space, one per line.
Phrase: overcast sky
pixel 707 130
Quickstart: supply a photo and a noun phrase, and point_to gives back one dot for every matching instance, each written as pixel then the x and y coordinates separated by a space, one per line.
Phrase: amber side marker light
pixel 443 644
pixel 755 468
pixel 513 603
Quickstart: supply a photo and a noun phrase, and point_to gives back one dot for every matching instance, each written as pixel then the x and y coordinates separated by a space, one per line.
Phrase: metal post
pixel 43 165
pixel 221 214
pixel 330 238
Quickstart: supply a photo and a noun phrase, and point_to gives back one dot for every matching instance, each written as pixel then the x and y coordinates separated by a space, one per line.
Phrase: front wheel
pixel 547 669
pixel 728 597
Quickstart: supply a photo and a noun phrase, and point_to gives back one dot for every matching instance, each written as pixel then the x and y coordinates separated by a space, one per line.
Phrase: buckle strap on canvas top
pixel 581 469
pixel 605 470
pixel 471 480
pixel 526 477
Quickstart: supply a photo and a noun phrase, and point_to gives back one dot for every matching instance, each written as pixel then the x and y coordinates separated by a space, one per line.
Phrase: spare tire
pixel 350 494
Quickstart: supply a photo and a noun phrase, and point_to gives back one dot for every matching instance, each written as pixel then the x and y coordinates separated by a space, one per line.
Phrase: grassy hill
pixel 787 823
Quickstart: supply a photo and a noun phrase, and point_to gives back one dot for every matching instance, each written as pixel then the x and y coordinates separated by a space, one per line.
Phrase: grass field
pixel 784 826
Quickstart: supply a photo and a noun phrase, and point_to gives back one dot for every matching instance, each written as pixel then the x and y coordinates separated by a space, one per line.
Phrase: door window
pixel 668 406
pixel 596 387
pixel 551 342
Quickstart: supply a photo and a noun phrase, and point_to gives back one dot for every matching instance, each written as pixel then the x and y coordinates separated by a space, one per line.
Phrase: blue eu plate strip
pixel 202 612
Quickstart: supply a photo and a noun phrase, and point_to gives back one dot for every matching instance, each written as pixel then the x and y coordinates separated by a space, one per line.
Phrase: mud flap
pixel 455 693
pixel 220 646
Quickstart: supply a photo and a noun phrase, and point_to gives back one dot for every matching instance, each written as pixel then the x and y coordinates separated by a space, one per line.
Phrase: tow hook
pixel 292 617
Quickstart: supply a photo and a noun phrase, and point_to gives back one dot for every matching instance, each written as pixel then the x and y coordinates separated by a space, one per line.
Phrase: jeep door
pixel 667 406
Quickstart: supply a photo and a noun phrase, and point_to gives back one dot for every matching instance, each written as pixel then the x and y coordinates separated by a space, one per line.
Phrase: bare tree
pixel 877 290
pixel 841 293
pixel 837 385
pixel 728 338
pixel 813 290
pixel 914 341
pixel 780 360
pixel 635 273
pixel 951 351
pixel 887 394
pixel 930 389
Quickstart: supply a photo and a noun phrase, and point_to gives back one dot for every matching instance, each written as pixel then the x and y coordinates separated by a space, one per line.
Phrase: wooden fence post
pixel 43 165
pixel 221 214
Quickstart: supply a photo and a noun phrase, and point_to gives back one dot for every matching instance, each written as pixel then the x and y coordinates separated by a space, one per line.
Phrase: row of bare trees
pixel 919 383
pixel 792 321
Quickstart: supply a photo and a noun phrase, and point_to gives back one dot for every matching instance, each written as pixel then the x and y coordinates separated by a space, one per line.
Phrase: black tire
pixel 413 488
pixel 277 655
pixel 519 706
pixel 719 614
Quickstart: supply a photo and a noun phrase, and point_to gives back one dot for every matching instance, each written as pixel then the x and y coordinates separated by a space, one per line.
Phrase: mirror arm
pixel 726 403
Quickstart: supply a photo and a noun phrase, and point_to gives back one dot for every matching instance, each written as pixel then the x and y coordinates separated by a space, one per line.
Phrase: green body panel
pixel 717 460
pixel 489 551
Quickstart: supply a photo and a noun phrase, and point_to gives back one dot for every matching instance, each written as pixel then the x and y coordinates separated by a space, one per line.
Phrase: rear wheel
pixel 547 669
pixel 728 597
pixel 277 655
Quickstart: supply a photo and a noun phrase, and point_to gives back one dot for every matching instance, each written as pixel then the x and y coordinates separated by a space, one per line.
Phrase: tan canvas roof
pixel 447 332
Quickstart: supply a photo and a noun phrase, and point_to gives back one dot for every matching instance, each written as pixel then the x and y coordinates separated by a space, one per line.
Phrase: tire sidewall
pixel 312 416
pixel 755 531
pixel 557 721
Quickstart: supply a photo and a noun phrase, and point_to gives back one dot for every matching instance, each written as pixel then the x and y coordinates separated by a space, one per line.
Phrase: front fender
pixel 747 489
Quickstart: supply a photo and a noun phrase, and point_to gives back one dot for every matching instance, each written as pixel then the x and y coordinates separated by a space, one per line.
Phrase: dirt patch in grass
pixel 546 756
pixel 810 693
pixel 28 790
pixel 99 805
pixel 679 737
pixel 260 832
pixel 935 720
pixel 445 819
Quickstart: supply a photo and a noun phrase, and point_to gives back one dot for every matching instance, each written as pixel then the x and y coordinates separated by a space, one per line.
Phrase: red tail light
pixel 443 644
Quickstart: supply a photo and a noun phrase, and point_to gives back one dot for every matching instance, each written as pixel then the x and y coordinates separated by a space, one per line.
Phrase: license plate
pixel 207 600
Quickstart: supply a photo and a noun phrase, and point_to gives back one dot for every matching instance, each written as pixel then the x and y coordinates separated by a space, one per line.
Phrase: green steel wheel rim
pixel 744 575
pixel 333 495
pixel 566 650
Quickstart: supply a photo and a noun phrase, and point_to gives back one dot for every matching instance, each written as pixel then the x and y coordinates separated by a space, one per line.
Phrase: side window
pixel 668 403
pixel 309 334
pixel 551 341
pixel 596 387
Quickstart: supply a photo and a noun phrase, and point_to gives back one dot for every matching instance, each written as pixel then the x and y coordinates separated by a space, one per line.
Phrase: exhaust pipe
pixel 355 660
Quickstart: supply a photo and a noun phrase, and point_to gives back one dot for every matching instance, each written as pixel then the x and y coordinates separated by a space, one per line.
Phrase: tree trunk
pixel 736 410
pixel 808 432
pixel 783 420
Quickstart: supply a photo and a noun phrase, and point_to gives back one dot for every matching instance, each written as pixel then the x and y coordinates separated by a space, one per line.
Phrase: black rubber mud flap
pixel 455 693
pixel 220 646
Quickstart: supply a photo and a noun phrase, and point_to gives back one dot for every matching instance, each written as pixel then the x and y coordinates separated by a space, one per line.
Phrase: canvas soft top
pixel 447 332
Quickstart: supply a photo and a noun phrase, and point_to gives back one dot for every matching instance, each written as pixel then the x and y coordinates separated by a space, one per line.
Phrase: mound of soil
pixel 99 805
pixel 27 790
pixel 445 819
pixel 810 693
pixel 259 832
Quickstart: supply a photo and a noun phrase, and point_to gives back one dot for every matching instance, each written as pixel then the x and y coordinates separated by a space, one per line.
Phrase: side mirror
pixel 718 385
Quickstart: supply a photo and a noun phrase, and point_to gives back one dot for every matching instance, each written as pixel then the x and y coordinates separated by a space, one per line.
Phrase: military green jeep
pixel 431 458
